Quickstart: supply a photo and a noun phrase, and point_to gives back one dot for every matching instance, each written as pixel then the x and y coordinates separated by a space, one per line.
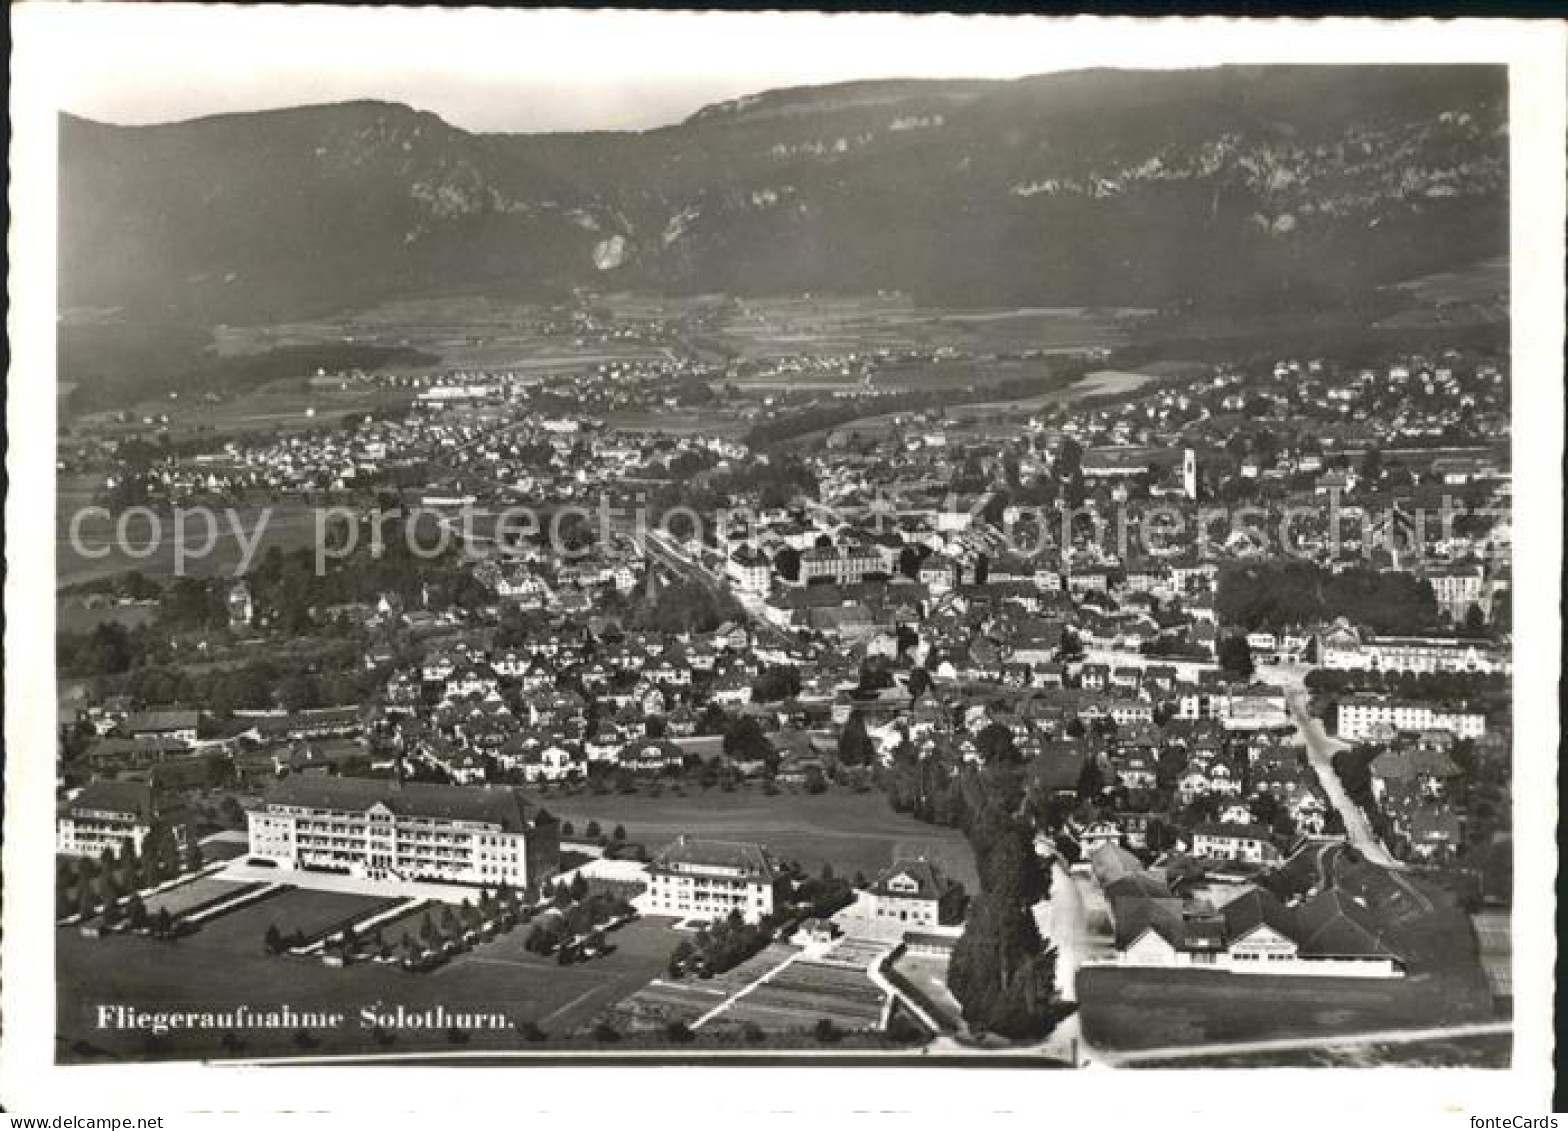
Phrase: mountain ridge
pixel 1222 188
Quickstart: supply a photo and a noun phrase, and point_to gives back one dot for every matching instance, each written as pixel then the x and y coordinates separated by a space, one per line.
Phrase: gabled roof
pixel 1112 862
pixel 749 859
pixel 483 805
pixel 1240 832
pixel 1133 915
pixel 1257 908
pixel 1334 925
pixel 163 720
pixel 113 797
pixel 1405 764
pixel 930 883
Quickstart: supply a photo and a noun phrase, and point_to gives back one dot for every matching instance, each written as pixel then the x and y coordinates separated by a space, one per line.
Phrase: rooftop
pixel 490 805
pixel 685 853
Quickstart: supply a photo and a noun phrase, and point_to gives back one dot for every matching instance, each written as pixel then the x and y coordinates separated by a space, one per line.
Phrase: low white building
pixel 1247 843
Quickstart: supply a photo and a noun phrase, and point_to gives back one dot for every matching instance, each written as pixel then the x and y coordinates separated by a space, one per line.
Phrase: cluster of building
pixel 929 594
pixel 1330 933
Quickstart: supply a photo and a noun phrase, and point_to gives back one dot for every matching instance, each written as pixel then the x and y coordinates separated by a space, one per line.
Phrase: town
pixel 1116 713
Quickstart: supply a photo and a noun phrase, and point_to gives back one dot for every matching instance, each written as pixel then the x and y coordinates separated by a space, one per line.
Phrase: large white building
pixel 844 566
pixel 1457 588
pixel 111 815
pixel 1345 651
pixel 710 878
pixel 1361 718
pixel 405 831
pixel 750 570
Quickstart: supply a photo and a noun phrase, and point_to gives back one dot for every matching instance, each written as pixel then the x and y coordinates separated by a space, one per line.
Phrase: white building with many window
pixel 109 815
pixel 749 570
pixel 1344 651
pixel 710 878
pixel 1360 718
pixel 405 831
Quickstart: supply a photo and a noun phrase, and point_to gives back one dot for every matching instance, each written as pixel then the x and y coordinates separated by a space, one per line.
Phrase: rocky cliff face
pixel 1230 189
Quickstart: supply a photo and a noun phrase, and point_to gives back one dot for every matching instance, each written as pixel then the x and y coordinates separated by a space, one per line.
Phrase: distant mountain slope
pixel 1240 189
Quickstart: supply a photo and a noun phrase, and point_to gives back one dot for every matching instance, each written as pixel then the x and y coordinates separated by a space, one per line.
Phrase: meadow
pixel 223 966
pixel 1126 1008
pixel 828 324
pixel 849 831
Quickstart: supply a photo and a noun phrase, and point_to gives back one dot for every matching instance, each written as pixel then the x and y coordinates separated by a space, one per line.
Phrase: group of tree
pixel 719 947
pixel 1235 657
pixel 776 684
pixel 87 886
pixel 854 744
pixel 1275 596
pixel 1001 972
pixel 687 606
pixel 776 479
pixel 1436 687
pixel 132 914
pixel 928 789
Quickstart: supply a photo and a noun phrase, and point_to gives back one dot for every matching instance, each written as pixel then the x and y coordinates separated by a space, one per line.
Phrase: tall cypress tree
pixel 1001 972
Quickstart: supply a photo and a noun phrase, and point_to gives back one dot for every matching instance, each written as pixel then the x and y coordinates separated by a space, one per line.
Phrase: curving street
pixel 1320 753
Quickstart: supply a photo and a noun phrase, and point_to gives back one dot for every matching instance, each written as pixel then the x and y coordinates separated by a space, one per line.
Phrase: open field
pixel 464 331
pixel 828 324
pixel 96 552
pixel 76 615
pixel 223 966
pixel 851 831
pixel 1005 411
pixel 310 913
pixel 958 373
pixel 1486 279
pixel 1125 1008
pixel 690 999
pixel 926 975
pixel 677 423
pixel 393 930
pixel 1102 382
pixel 283 404
pixel 805 992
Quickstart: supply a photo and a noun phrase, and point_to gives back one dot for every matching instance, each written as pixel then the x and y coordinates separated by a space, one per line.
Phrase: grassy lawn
pixel 223 966
pixel 193 896
pixel 926 975
pixel 851 831
pixel 1124 1008
pixel 288 524
pixel 215 850
pixel 76 616
pixel 311 912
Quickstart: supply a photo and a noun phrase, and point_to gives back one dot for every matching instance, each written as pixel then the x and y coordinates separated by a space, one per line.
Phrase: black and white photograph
pixel 591 538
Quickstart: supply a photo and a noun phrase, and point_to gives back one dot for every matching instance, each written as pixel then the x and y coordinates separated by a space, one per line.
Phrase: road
pixel 1320 753
pixel 1291 1044
pixel 658 547
pixel 1063 920
pixel 1063 923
